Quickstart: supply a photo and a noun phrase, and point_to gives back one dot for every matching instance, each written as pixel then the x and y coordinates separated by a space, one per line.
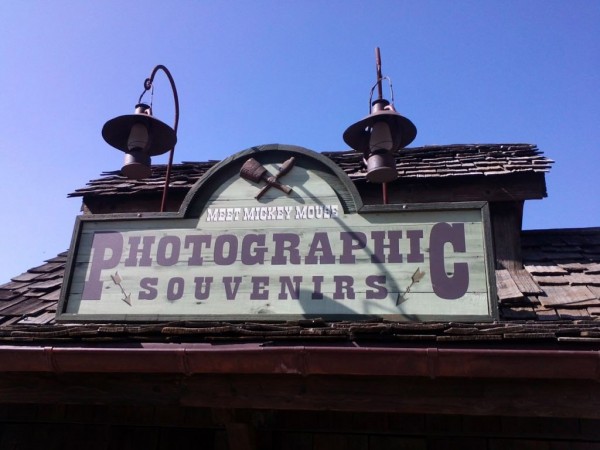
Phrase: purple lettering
pixel 286 242
pixel 375 282
pixel 256 255
pixel 202 291
pixel 318 287
pixel 343 287
pixel 221 257
pixel 320 244
pixel 379 246
pixel 134 249
pixel 150 293
pixel 175 288
pixel 351 241
pixel 231 285
pixel 259 291
pixel 448 287
pixel 293 289
pixel 196 242
pixel 161 252
pixel 415 255
pixel 112 241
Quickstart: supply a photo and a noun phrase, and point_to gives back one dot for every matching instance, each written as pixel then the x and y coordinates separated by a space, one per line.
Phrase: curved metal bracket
pixel 147 86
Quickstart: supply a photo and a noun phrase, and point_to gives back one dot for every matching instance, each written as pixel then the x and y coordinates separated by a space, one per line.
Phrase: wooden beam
pixel 128 203
pixel 515 187
pixel 512 187
pixel 506 228
pixel 482 397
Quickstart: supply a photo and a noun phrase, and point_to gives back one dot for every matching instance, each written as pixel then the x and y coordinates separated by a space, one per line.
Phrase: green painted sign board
pixel 315 251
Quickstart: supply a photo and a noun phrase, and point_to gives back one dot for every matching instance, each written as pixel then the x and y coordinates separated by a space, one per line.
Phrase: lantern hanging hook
pixel 148 86
pixel 378 85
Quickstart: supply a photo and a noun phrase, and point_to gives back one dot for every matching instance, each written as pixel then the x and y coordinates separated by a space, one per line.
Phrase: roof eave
pixel 254 359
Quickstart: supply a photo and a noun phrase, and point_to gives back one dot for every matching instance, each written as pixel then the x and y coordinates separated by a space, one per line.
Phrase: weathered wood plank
pixel 513 397
pixel 525 282
pixel 550 269
pixel 506 188
pixel 506 226
pixel 563 295
pixel 507 288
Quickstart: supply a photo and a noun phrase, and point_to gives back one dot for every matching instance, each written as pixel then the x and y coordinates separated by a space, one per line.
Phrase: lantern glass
pixel 381 137
pixel 139 138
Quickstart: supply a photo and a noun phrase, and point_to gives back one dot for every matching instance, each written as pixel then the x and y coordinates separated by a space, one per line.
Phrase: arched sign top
pixel 308 176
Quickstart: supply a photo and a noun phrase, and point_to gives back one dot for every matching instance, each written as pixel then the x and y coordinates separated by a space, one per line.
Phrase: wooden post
pixel 506 226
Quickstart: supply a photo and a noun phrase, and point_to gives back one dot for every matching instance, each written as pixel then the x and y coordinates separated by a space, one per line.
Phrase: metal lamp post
pixel 141 136
pixel 379 135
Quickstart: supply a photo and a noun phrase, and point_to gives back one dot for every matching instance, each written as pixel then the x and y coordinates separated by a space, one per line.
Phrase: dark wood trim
pixel 128 203
pixel 544 398
pixel 506 228
pixel 510 187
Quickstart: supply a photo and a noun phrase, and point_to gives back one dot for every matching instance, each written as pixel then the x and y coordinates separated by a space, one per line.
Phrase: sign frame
pixel 198 200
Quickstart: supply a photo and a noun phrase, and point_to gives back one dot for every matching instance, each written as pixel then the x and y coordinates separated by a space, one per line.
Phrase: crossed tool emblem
pixel 254 171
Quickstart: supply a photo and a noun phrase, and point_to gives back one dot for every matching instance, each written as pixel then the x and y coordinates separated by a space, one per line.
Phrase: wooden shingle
pixel 429 162
pixel 563 295
pixel 525 282
pixel 507 288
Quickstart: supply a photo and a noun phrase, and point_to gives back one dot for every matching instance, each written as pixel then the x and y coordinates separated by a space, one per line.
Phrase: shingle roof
pixel 556 297
pixel 422 162
pixel 565 265
pixel 562 305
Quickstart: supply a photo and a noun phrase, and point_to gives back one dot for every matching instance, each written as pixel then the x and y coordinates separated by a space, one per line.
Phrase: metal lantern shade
pixel 162 137
pixel 140 136
pixel 402 130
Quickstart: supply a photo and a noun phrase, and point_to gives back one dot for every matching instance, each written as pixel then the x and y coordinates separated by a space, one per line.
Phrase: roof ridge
pixel 430 162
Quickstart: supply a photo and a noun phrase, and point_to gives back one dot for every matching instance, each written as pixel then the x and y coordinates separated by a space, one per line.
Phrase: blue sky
pixel 291 72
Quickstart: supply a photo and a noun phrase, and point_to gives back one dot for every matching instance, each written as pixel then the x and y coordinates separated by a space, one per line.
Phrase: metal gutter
pixel 190 359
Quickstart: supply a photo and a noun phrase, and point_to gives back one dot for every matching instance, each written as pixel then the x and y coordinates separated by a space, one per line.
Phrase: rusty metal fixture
pixel 141 136
pixel 136 165
pixel 364 136
pixel 254 171
pixel 381 167
pixel 139 131
pixel 382 133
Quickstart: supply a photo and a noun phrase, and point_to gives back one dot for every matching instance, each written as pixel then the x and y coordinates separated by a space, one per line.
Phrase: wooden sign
pixel 280 233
